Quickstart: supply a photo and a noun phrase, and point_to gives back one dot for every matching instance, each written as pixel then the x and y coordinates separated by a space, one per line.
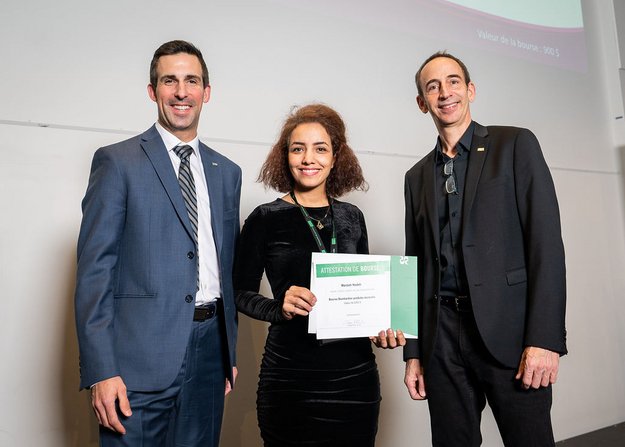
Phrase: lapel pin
pixel 214 164
pixel 480 149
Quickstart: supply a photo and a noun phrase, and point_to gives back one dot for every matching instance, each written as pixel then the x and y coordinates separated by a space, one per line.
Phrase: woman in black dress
pixel 309 393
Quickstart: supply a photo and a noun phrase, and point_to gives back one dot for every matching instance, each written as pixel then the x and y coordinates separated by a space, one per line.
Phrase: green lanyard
pixel 313 230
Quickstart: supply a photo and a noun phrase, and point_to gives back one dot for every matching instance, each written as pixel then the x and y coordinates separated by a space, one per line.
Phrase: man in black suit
pixel 482 217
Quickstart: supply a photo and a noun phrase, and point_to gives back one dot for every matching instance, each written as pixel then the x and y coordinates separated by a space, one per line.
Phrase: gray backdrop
pixel 74 76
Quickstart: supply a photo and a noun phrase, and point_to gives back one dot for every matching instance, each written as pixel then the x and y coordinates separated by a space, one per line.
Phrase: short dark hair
pixel 176 47
pixel 444 53
pixel 345 176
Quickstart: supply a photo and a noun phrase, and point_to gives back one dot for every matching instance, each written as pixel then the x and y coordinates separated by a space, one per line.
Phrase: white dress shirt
pixel 210 286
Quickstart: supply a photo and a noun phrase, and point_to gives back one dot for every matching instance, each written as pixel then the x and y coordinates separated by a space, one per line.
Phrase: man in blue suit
pixel 154 303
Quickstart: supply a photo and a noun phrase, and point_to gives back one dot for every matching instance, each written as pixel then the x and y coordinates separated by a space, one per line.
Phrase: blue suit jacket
pixel 137 277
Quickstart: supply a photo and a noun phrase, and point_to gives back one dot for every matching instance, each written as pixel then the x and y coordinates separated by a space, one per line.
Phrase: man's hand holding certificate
pixel 357 295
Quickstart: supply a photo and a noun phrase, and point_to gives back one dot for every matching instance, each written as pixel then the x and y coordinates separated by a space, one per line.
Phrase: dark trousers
pixel 189 412
pixel 462 376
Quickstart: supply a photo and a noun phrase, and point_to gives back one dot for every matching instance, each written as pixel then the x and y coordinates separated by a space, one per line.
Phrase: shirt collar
pixel 171 141
pixel 464 144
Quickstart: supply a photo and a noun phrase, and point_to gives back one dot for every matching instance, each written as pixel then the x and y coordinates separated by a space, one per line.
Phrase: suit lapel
pixel 429 187
pixel 479 152
pixel 156 151
pixel 214 182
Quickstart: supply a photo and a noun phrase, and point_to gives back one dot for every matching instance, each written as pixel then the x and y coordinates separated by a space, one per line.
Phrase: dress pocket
pixel 516 276
pixel 121 296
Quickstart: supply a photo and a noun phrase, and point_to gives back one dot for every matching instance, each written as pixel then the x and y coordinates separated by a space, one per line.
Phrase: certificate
pixel 360 295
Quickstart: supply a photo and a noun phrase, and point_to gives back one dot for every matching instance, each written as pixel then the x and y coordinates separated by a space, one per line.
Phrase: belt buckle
pixel 457 303
pixel 204 313
pixel 460 301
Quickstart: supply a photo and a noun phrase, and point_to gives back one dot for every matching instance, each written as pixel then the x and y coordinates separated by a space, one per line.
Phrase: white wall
pixel 80 68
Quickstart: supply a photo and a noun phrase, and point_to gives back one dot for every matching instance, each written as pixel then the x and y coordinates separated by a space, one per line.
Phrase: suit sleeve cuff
pixel 411 349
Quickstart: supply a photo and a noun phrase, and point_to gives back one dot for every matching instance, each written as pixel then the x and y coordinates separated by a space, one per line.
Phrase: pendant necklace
pixel 319 225
pixel 313 227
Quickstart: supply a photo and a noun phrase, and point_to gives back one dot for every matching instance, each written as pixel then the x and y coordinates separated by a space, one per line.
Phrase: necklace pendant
pixel 319 225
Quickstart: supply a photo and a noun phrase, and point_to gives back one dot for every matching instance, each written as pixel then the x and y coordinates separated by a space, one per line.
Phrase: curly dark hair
pixel 345 176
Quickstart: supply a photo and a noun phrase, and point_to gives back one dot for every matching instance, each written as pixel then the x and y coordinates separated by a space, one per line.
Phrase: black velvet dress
pixel 309 394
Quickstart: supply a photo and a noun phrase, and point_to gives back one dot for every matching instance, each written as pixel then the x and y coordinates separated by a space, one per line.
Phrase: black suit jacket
pixel 511 244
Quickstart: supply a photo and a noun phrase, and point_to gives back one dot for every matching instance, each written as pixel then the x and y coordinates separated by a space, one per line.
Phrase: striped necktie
pixel 187 186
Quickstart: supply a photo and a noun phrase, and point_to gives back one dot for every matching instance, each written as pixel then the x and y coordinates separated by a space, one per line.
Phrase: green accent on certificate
pixel 351 269
pixel 360 295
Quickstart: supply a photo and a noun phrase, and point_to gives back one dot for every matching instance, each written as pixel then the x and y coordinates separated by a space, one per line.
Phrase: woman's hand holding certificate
pixel 297 301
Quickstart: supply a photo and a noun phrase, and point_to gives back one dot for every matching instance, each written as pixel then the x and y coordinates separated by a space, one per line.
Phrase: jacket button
pixel 190 255
pixel 435 297
pixel 188 298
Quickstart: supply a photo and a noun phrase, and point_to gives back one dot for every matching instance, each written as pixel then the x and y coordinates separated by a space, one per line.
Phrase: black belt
pixel 206 311
pixel 458 303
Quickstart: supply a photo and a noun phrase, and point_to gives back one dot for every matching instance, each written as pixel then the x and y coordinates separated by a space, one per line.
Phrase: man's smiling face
pixel 446 94
pixel 179 94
